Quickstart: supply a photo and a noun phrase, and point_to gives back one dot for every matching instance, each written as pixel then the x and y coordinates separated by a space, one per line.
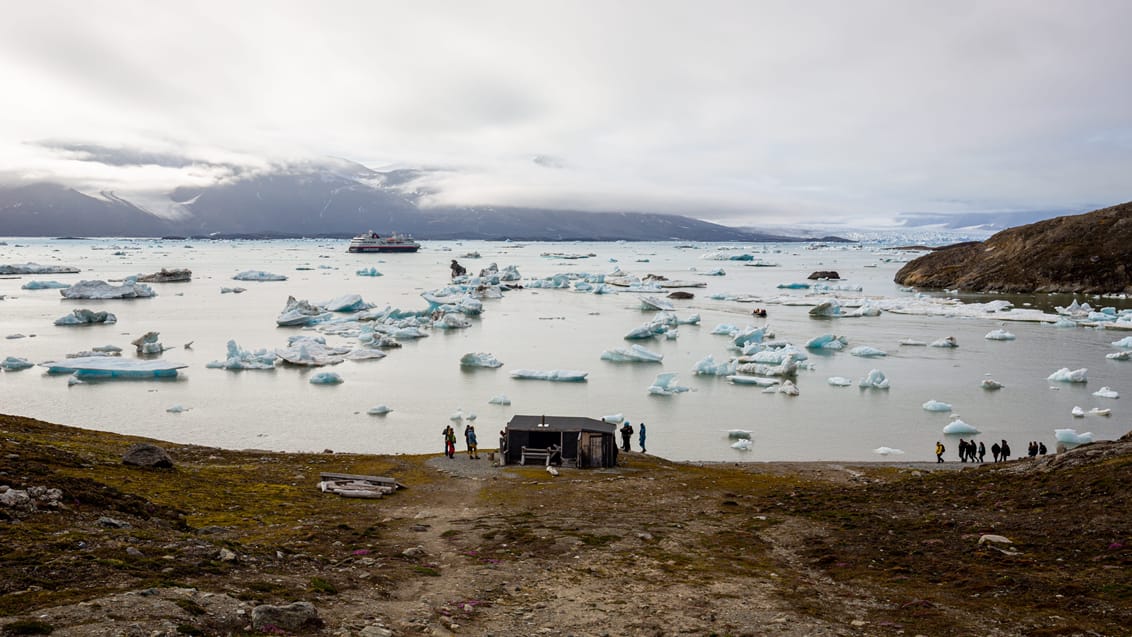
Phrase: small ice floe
pixel 500 399
pixel 232 290
pixel 1077 412
pixel 298 313
pixel 258 275
pixel 652 303
pixel 745 379
pixel 148 344
pixel 947 341
pixel 113 350
pixel 35 268
pixel 614 419
pixel 44 285
pixel 632 354
pixel 244 359
pixel 1119 356
pixel 113 367
pixel 957 426
pixel 742 445
pixel 888 451
pixel 15 364
pixel 555 375
pixel 1071 437
pixel 1105 392
pixel 827 341
pixel 991 384
pixel 738 434
pixel 346 303
pixel 177 409
pixel 1125 342
pixel 865 351
pixel 788 388
pixel 1064 375
pixel 999 335
pixel 74 380
pixel 130 289
pixel 875 379
pixel 665 385
pixel 911 342
pixel 935 405
pixel 839 381
pixel 1097 411
pixel 709 367
pixel 325 378
pixel 479 359
pixel 379 410
pixel 368 272
pixel 311 351
pixel 457 416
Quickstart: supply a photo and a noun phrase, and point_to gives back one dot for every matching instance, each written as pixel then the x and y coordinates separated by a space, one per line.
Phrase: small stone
pixel 414 552
pixel 226 555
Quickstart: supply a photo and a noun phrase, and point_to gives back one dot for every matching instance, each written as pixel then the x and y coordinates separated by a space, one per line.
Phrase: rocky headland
pixel 1089 253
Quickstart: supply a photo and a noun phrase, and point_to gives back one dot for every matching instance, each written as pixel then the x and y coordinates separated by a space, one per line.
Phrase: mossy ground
pixel 895 550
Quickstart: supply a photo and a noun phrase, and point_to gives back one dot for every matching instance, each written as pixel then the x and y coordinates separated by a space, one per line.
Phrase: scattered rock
pixel 414 552
pixel 295 617
pixel 147 455
pixel 113 523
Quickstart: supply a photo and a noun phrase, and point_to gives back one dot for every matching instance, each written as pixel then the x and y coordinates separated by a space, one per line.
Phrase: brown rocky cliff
pixel 1088 253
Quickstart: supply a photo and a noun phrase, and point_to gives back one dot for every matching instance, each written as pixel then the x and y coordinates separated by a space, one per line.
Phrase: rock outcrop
pixel 1089 253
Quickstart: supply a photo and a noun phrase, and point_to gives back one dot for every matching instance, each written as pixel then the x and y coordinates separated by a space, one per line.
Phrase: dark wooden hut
pixel 582 442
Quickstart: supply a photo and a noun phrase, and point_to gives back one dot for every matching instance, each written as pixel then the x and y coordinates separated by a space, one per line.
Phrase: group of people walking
pixel 971 452
pixel 470 440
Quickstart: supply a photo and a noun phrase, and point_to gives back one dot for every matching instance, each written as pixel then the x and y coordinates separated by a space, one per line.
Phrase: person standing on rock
pixel 626 435
pixel 939 449
pixel 641 437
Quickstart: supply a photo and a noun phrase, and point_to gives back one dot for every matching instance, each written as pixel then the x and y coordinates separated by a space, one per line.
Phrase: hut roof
pixel 559 423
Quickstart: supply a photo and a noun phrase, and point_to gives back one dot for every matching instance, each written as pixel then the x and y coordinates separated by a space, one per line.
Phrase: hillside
pixel 649 548
pixel 1089 253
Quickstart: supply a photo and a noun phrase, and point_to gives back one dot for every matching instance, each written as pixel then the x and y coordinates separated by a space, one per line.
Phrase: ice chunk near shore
pixel 708 367
pixel 379 410
pixel 298 313
pixel 743 444
pixel 499 399
pixel 479 359
pixel 258 275
pixel 1105 392
pixel 555 375
pixel 130 289
pixel 758 381
pixel 1125 342
pixel 325 378
pixel 245 359
pixel 44 285
pixel 113 367
pixel 875 379
pixel 1064 375
pixel 614 419
pixel 999 335
pixel 937 406
pixel 947 341
pixel 888 451
pixel 957 426
pixel 1071 437
pixel 633 354
pixel 865 351
pixel 827 341
pixel 839 381
pixel 991 384
pixel 86 317
pixel 15 364
pixel 665 385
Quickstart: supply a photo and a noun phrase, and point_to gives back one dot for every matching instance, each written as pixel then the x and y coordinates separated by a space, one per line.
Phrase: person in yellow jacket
pixel 939 449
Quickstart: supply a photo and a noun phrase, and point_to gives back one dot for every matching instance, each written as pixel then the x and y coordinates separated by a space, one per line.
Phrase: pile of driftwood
pixel 349 485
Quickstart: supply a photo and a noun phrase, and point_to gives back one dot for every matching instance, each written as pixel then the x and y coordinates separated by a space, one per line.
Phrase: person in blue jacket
pixel 641 437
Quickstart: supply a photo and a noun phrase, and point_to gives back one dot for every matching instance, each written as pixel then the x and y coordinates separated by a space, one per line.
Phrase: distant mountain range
pixel 340 199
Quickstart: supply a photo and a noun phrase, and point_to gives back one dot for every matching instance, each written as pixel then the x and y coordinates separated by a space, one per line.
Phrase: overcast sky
pixel 738 112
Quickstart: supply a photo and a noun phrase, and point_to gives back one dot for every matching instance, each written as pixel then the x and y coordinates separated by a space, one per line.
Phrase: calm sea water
pixel 538 329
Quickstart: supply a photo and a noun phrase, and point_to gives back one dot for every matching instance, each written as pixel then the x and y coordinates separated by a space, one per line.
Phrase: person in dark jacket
pixel 626 435
pixel 996 451
pixel 1005 451
pixel 982 451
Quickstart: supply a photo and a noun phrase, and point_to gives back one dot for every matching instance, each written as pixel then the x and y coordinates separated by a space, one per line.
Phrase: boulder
pixel 292 618
pixel 681 295
pixel 147 455
pixel 824 274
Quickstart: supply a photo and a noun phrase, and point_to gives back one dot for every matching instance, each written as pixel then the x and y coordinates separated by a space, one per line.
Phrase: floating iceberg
pixel 743 444
pixel 744 379
pixel 368 272
pixel 1077 412
pixel 865 351
pixel 15 364
pixel 1119 356
pixel 738 434
pixel 479 359
pixel 232 290
pixel 839 381
pixel 957 426
pixel 708 367
pixel 633 354
pixel 167 276
pixel 827 341
pixel 874 380
pixel 665 385
pixel 788 388
pixel 1064 375
pixel 947 341
pixel 1105 392
pixel 379 410
pixel 44 285
pixel 888 451
pixel 991 384
pixel 299 313
pixel 913 342
pixel 245 359
pixel 177 409
pixel 999 335
pixel 130 289
pixel 346 303
pixel 794 286
pixel 258 275
pixel 826 309
pixel 614 419
pixel 325 378
pixel 1097 411
pixel 1071 437
pixel 311 351
pixel 113 367
pixel 653 303
pixel 557 375
pixel 935 405
pixel 148 344
pixel 787 368
pixel 35 268
pixel 86 317
pixel 1125 342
